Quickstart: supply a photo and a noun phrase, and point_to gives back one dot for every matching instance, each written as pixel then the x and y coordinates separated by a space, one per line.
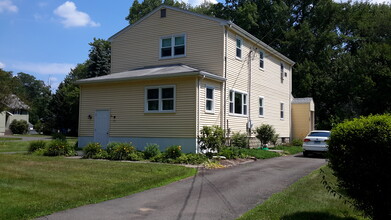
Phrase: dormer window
pixel 173 46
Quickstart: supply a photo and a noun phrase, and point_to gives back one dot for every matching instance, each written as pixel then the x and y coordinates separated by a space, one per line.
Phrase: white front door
pixel 101 127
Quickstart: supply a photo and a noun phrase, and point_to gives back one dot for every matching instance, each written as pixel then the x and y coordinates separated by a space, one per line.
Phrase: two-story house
pixel 175 71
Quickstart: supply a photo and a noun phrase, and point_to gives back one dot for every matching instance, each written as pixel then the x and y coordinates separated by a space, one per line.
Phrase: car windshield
pixel 319 134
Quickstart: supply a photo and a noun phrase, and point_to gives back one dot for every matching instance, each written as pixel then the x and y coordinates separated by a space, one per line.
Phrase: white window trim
pixel 263 106
pixel 172 46
pixel 282 110
pixel 213 99
pixel 241 47
pixel 282 70
pixel 160 99
pixel 246 101
pixel 263 59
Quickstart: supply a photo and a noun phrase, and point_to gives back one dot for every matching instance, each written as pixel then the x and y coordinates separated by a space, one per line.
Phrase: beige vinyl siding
pixel 126 102
pixel 301 120
pixel 207 118
pixel 265 83
pixel 139 46
pixel 2 123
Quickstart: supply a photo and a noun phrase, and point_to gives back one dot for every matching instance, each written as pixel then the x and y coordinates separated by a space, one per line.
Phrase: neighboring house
pixel 175 71
pixel 303 117
pixel 17 109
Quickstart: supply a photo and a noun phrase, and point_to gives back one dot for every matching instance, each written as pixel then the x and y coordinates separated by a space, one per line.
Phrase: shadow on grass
pixel 314 216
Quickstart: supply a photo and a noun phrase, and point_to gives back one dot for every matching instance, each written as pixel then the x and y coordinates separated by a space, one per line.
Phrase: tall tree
pixel 99 58
pixel 5 88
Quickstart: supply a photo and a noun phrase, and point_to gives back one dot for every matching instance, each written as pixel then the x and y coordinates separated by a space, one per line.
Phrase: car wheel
pixel 305 153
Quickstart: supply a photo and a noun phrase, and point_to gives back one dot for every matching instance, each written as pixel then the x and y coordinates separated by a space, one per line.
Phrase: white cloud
pixel 71 17
pixel 2 65
pixel 7 5
pixel 44 68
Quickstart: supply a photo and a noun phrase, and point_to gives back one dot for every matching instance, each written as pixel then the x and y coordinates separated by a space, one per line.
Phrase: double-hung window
pixel 282 70
pixel 237 103
pixel 160 99
pixel 173 46
pixel 261 61
pixel 239 44
pixel 281 111
pixel 261 107
pixel 209 104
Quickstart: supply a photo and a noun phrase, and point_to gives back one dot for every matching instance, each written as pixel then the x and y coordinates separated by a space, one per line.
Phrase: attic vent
pixel 163 13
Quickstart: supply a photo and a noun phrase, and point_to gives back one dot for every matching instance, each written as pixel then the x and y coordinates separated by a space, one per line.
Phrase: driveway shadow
pixel 314 216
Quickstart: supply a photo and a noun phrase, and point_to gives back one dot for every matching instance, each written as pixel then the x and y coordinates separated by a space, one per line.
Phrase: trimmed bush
pixel 135 156
pixel 239 140
pixel 360 156
pixel 19 126
pixel 266 133
pixel 92 150
pixel 120 151
pixel 36 145
pixel 212 138
pixel 59 136
pixel 297 142
pixel 229 152
pixel 151 150
pixel 59 148
pixel 173 152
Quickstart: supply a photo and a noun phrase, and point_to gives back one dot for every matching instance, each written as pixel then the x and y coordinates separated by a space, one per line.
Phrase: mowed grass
pixel 13 146
pixel 32 186
pixel 305 199
pixel 22 146
pixel 9 139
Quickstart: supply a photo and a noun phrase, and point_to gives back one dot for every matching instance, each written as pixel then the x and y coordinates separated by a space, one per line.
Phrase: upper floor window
pixel 239 44
pixel 160 99
pixel 261 106
pixel 209 105
pixel 281 110
pixel 173 46
pixel 237 103
pixel 282 70
pixel 261 61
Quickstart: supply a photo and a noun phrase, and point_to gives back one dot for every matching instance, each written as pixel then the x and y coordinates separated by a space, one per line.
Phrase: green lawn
pixel 305 199
pixel 9 139
pixel 13 146
pixel 32 186
pixel 22 146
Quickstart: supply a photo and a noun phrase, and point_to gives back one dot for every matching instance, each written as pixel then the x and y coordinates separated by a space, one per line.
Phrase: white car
pixel 316 142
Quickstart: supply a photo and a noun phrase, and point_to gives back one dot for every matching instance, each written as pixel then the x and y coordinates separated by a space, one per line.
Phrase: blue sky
pixel 46 38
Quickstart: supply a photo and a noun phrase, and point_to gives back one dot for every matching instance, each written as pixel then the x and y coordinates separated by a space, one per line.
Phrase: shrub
pixel 173 152
pixel 59 148
pixel 135 156
pixel 297 142
pixel 120 151
pixel 36 145
pixel 212 138
pixel 229 152
pixel 265 133
pixel 191 159
pixel 92 149
pixel 19 126
pixel 59 136
pixel 359 154
pixel 151 150
pixel 239 140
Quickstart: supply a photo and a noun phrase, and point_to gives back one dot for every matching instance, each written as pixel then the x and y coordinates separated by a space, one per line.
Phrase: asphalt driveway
pixel 212 194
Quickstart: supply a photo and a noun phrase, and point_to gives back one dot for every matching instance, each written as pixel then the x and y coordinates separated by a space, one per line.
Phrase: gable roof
pixel 14 102
pixel 151 72
pixel 228 24
pixel 305 100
